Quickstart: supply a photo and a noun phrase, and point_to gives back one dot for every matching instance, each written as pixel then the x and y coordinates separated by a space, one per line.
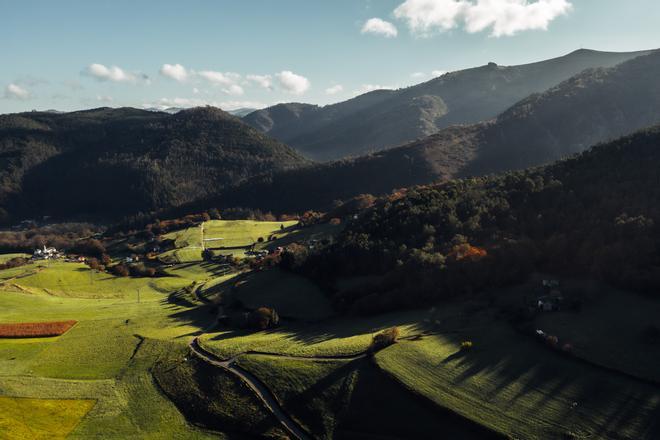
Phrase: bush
pixel 263 318
pixel 120 270
pixel 384 339
pixel 466 345
pixel 14 262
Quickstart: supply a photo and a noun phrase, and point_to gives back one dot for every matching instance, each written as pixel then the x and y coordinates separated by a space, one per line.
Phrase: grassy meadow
pixel 124 370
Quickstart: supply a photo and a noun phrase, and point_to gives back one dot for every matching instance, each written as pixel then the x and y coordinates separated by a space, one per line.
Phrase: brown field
pixel 35 329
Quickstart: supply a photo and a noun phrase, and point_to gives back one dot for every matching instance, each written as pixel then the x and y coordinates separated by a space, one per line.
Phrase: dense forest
pixel 105 163
pixel 595 214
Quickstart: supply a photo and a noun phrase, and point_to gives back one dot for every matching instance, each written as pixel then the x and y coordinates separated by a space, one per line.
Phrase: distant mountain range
pixel 107 163
pixel 239 112
pixel 591 107
pixel 387 118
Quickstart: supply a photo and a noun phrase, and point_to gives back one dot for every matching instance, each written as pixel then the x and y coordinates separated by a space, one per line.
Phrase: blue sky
pixel 70 55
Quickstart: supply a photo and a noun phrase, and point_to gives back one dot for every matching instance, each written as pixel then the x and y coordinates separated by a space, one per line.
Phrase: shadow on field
pixel 339 328
pixel 575 394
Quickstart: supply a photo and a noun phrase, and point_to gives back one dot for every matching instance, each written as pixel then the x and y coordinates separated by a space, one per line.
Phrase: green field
pixel 125 369
pixel 40 418
pixel 291 295
pixel 337 337
pixel 610 331
pixel 228 233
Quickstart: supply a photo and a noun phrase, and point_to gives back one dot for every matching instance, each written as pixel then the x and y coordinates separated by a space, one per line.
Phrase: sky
pixel 77 54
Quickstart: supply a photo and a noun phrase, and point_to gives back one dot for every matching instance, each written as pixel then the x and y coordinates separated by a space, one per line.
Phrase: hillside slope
pixel 594 106
pixel 387 118
pixel 594 215
pixel 106 163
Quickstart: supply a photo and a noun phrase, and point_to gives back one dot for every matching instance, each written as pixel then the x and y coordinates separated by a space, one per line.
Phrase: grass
pixel 353 399
pixel 521 388
pixel 236 233
pixel 76 280
pixel 608 331
pixel 188 246
pixel 291 295
pixel 195 387
pixel 6 257
pixel 35 329
pixel 22 418
pixel 342 336
pixel 129 406
pixel 313 391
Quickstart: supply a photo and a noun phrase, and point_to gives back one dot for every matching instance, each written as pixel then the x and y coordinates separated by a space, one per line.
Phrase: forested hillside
pixel 594 106
pixel 596 215
pixel 387 118
pixel 105 163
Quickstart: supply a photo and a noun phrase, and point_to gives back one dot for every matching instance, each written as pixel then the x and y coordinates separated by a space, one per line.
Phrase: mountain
pixel 106 163
pixel 595 215
pixel 387 118
pixel 594 106
pixel 241 112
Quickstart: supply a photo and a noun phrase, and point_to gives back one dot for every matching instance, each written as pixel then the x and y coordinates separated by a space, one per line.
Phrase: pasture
pixel 521 388
pixel 291 295
pixel 24 418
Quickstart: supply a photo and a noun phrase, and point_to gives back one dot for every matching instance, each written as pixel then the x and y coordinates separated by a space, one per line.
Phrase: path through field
pixel 259 388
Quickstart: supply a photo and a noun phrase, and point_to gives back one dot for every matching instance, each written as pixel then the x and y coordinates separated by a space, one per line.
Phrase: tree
pixel 263 318
pixel 215 214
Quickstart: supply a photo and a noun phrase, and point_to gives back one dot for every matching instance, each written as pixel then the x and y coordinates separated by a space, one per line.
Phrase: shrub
pixel 120 270
pixel 466 345
pixel 384 339
pixel 263 318
pixel 14 262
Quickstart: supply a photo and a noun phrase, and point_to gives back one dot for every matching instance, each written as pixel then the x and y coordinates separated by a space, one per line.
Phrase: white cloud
pixel 14 91
pixel 225 79
pixel 437 73
pixel 418 75
pixel 195 91
pixel 502 17
pixel 265 81
pixel 174 71
pixel 377 26
pixel 104 98
pixel 334 89
pixel 165 103
pixel 234 90
pixel 228 80
pixel 293 83
pixel 114 74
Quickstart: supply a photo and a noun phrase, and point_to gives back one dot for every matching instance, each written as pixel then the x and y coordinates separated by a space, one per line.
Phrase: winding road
pixel 257 386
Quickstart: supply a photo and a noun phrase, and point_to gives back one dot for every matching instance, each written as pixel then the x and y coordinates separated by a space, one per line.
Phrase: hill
pixel 594 215
pixel 387 118
pixel 106 163
pixel 594 106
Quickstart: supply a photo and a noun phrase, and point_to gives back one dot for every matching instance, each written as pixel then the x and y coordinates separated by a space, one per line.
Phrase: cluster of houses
pixel 46 253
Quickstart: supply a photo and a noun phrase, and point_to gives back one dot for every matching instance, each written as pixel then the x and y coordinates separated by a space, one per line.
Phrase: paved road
pixel 259 388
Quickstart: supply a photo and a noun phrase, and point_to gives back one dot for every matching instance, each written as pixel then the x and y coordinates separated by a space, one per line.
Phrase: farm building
pixel 46 253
